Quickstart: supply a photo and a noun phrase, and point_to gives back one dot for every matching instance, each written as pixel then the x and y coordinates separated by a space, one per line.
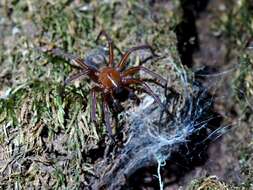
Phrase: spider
pixel 113 82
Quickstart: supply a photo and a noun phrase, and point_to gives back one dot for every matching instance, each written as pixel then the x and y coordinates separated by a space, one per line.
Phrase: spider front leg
pixel 75 60
pixel 124 58
pixel 133 70
pixel 133 96
pixel 56 52
pixel 117 107
pixel 110 44
pixel 75 76
pixel 145 87
pixel 60 53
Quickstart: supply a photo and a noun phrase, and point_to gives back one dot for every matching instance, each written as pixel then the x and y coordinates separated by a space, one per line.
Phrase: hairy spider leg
pixel 110 44
pixel 132 95
pixel 75 76
pixel 58 52
pixel 76 61
pixel 117 107
pixel 124 58
pixel 70 57
pixel 133 70
pixel 93 72
pixel 80 62
pixel 86 69
pixel 145 87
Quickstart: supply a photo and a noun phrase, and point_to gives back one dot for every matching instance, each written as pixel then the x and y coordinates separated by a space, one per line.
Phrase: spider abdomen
pixel 109 78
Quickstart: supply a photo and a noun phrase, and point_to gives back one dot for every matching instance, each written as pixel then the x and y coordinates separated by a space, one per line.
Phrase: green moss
pixel 208 183
pixel 243 83
pixel 237 26
pixel 45 127
pixel 235 23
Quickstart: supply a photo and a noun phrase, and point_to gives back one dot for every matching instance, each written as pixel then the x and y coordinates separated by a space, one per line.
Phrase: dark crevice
pixel 186 30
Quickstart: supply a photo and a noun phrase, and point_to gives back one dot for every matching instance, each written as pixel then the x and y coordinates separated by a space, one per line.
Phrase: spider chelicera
pixel 113 82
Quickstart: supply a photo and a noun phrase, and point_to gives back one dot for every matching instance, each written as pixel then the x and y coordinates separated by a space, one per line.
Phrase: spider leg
pixel 146 88
pixel 56 52
pixel 110 44
pixel 77 61
pixel 75 76
pixel 91 71
pixel 117 107
pixel 80 62
pixel 133 96
pixel 60 53
pixel 124 58
pixel 107 116
pixel 134 70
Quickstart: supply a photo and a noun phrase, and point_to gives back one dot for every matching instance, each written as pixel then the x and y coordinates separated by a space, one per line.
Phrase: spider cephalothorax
pixel 113 82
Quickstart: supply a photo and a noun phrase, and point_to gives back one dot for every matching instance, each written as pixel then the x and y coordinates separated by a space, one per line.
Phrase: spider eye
pixel 120 93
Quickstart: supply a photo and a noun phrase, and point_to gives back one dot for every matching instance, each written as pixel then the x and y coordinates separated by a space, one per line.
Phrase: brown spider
pixel 113 82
